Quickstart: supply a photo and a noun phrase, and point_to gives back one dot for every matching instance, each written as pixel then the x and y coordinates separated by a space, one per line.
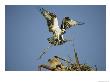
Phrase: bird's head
pixel 49 60
pixel 55 56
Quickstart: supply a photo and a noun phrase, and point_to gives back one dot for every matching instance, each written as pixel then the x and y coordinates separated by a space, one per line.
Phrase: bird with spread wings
pixel 57 31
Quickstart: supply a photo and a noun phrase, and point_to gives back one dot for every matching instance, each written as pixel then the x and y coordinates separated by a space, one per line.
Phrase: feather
pixel 52 23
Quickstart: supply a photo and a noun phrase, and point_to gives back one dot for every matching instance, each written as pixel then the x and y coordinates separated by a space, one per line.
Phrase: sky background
pixel 26 34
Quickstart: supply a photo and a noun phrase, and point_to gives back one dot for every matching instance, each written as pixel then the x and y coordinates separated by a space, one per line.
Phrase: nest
pixel 72 67
pixel 60 64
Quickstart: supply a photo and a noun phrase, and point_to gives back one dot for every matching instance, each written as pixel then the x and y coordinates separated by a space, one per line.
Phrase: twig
pixel 44 51
pixel 63 59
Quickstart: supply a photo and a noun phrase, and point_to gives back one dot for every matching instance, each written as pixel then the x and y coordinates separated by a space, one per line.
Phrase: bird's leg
pixel 55 39
pixel 60 39
pixel 56 42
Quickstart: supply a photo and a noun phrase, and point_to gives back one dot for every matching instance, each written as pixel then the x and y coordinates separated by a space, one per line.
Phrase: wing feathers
pixel 51 19
pixel 68 23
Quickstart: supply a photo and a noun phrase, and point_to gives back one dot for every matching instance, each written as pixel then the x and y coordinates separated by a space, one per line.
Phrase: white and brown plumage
pixel 58 31
pixel 55 63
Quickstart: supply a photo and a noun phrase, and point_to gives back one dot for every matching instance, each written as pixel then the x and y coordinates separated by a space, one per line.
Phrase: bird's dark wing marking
pixel 49 18
pixel 68 23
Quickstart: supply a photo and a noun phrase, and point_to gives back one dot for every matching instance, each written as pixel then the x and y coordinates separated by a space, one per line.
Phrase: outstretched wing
pixel 51 19
pixel 68 23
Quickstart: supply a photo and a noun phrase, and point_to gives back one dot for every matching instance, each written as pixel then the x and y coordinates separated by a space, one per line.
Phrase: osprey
pixel 58 31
